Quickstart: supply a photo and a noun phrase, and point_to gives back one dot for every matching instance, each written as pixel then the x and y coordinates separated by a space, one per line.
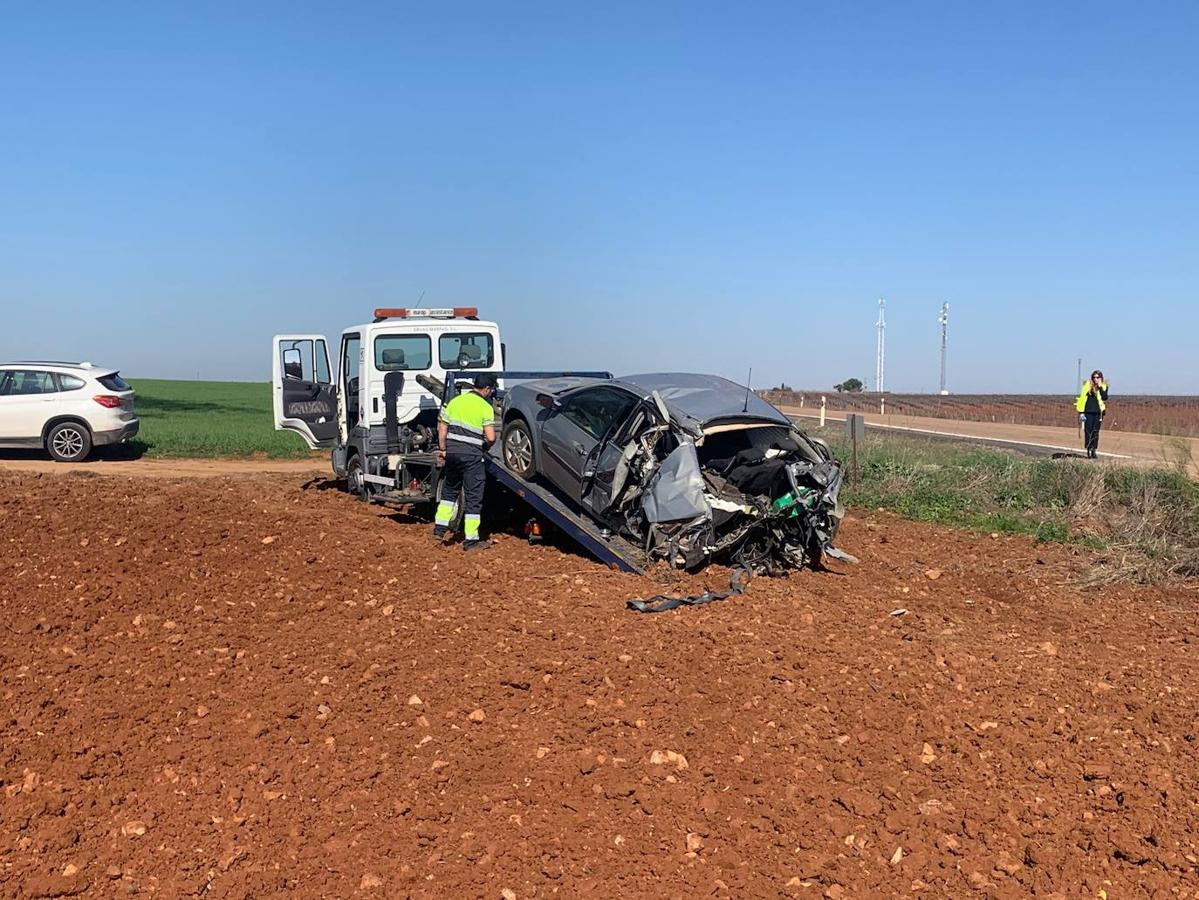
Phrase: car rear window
pixel 114 382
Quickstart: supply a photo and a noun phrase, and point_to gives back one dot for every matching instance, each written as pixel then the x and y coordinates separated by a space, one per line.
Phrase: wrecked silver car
pixel 694 468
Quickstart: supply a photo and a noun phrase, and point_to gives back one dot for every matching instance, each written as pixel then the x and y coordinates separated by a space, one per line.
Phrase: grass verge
pixel 209 419
pixel 1145 521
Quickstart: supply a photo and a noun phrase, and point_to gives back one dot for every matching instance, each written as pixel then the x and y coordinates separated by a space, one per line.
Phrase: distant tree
pixel 850 386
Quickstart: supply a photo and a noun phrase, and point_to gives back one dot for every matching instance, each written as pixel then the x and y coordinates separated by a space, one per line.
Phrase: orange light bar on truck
pixel 456 312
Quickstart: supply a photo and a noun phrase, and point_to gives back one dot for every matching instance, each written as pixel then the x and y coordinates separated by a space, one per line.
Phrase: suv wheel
pixel 518 449
pixel 69 442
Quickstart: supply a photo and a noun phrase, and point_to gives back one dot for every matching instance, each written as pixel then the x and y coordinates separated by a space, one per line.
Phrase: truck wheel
pixel 518 449
pixel 354 481
pixel 69 442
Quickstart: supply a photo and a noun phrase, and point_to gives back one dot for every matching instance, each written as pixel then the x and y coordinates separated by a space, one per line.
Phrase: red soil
pixel 245 687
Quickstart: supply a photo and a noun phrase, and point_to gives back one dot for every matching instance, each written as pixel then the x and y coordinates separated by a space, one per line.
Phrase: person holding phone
pixel 1092 406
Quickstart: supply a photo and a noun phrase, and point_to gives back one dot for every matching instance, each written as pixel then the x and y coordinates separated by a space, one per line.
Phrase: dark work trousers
pixel 1093 422
pixel 464 471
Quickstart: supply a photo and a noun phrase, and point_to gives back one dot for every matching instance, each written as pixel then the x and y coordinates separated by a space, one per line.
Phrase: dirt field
pixel 241 686
pixel 37 461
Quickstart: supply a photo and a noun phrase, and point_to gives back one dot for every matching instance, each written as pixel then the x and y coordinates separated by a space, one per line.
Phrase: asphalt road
pixel 1040 440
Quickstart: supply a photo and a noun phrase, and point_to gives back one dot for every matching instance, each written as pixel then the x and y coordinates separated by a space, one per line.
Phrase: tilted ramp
pixel 610 549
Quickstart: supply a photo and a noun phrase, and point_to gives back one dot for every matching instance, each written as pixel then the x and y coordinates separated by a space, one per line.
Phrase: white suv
pixel 68 408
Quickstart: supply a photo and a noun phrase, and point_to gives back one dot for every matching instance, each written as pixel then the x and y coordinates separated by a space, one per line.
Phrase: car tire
pixel 69 442
pixel 518 449
pixel 354 483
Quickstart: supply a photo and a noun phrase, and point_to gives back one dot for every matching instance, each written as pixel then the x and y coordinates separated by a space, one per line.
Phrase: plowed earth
pixel 240 687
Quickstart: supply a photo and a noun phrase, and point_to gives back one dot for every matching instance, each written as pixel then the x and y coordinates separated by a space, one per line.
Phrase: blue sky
pixel 692 186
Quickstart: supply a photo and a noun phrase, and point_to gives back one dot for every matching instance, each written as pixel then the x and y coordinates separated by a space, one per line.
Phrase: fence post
pixel 857 429
pixel 822 402
pixel 882 406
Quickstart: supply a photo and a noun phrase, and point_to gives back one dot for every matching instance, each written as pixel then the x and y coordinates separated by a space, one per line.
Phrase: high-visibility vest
pixel 1081 403
pixel 467 415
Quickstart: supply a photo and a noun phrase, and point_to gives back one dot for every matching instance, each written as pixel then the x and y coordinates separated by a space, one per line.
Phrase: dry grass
pixel 1143 521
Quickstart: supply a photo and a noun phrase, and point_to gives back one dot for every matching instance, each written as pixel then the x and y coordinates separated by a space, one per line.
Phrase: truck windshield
pixel 403 352
pixel 466 350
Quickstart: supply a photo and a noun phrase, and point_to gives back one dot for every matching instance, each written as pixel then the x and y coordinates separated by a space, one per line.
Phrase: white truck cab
pixel 368 404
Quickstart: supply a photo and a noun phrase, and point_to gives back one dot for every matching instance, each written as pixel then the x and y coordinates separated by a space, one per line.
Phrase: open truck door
pixel 304 396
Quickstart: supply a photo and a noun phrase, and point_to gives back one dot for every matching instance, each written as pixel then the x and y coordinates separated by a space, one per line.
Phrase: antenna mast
pixel 944 320
pixel 881 325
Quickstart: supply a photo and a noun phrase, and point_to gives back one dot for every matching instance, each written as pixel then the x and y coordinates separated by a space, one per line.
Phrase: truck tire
pixel 354 483
pixel 518 449
pixel 69 442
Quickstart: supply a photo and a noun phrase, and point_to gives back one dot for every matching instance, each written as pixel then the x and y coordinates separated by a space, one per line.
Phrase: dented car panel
pixel 694 468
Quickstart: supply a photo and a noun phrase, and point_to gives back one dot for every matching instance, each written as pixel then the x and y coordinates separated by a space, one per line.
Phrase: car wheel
pixel 69 442
pixel 518 449
pixel 355 484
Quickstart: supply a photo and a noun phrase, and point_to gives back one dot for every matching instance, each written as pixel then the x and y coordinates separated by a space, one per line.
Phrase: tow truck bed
pixel 612 550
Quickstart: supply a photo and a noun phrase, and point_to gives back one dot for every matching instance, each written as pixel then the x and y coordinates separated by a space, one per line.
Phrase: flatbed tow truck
pixel 377 412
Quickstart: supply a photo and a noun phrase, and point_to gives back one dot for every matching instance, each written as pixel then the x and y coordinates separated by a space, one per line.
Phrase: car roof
pixel 705 398
pixel 88 367
pixel 700 398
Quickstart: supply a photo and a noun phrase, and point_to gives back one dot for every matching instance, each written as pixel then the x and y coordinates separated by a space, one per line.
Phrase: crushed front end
pixel 755 495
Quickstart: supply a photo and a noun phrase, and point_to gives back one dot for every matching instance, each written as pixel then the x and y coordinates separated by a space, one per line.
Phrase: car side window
pixel 27 382
pixel 5 383
pixel 596 410
pixel 70 382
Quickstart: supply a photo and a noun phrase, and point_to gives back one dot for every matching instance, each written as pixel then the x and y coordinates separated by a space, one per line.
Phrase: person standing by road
pixel 1092 406
pixel 465 429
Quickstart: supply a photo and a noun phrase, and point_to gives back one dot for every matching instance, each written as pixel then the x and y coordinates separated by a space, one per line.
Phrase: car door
pixel 573 430
pixel 26 402
pixel 608 469
pixel 303 394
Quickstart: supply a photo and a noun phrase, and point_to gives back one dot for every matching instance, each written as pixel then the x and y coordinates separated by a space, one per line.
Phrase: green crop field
pixel 209 418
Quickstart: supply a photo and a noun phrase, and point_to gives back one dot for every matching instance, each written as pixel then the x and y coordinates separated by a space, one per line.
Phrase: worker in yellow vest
pixel 1091 406
pixel 465 429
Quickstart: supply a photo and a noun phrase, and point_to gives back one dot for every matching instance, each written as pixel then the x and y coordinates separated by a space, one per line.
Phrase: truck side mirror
pixel 292 367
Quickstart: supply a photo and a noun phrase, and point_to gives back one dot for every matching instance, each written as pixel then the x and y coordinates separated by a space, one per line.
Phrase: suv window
pixel 21 382
pixel 113 382
pixel 597 409
pixel 71 383
pixel 466 350
pixel 403 352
